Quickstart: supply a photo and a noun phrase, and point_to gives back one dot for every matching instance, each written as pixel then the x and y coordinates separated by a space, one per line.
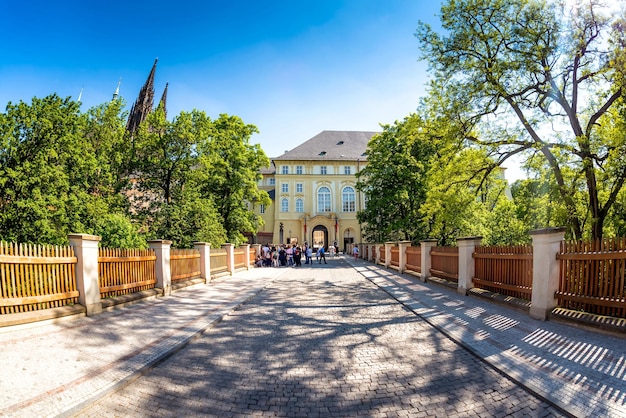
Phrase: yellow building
pixel 314 198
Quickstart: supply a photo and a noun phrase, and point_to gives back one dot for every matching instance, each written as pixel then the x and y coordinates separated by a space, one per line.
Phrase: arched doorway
pixel 320 237
pixel 348 241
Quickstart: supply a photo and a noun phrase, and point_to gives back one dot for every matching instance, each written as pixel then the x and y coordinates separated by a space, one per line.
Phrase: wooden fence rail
pixel 125 271
pixel 507 270
pixel 240 258
pixel 185 264
pixel 35 277
pixel 381 252
pixel 592 277
pixel 395 257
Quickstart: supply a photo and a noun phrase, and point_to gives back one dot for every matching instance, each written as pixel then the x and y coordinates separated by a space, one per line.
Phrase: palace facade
pixel 312 187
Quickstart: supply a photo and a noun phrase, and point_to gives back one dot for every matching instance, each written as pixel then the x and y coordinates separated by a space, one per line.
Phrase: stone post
pixel 246 251
pixel 204 248
pixel 426 245
pixel 87 278
pixel 403 245
pixel 257 250
pixel 230 257
pixel 466 262
pixel 546 270
pixel 161 249
pixel 388 246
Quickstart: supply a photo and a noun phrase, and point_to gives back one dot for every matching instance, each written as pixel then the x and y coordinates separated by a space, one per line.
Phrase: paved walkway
pixel 316 337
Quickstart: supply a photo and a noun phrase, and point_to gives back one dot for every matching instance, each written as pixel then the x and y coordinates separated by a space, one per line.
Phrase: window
pixel 284 205
pixel 348 200
pixel 285 187
pixel 262 209
pixel 299 205
pixel 299 188
pixel 323 199
pixel 298 169
pixel 323 170
pixel 285 169
pixel 272 181
pixel 347 170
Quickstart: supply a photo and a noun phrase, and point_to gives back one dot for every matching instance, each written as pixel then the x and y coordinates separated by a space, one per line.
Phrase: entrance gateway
pixel 320 237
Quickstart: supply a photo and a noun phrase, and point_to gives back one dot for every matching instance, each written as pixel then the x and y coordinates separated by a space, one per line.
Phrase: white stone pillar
pixel 246 251
pixel 230 257
pixel 388 246
pixel 426 245
pixel 161 249
pixel 204 248
pixel 466 262
pixel 87 277
pixel 402 246
pixel 546 269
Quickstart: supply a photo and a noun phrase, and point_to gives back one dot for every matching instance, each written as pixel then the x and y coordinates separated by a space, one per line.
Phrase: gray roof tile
pixel 331 145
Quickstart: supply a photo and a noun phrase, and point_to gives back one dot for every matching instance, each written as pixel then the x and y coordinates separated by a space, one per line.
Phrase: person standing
pixel 355 252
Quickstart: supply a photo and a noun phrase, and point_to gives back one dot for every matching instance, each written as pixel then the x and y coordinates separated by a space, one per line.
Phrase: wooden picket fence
pixel 592 276
pixel 125 271
pixel 414 259
pixel 505 269
pixel 445 263
pixel 185 264
pixel 35 277
pixel 381 253
pixel 218 261
pixel 395 257
pixel 240 258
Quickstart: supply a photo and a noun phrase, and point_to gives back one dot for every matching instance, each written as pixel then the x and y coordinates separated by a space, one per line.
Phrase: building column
pixel 230 257
pixel 87 277
pixel 466 262
pixel 204 248
pixel 546 270
pixel 402 246
pixel 161 249
pixel 426 246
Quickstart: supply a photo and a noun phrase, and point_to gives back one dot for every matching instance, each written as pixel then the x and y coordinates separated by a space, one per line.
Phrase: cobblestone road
pixel 322 341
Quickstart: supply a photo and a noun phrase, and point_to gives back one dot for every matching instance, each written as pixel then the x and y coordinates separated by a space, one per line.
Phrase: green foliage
pixel 117 231
pixel 535 78
pixel 394 181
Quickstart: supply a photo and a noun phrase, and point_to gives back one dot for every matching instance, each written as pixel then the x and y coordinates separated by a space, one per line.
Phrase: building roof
pixel 331 145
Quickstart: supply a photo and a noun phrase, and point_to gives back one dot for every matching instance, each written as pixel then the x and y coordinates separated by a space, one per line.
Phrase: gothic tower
pixel 143 105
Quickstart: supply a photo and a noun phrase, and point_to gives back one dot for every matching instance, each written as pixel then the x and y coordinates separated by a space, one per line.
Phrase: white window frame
pixel 284 205
pixel 348 199
pixel 324 205
pixel 299 205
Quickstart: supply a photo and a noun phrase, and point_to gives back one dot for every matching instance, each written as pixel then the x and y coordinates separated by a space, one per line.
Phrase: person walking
pixel 355 252
pixel 321 256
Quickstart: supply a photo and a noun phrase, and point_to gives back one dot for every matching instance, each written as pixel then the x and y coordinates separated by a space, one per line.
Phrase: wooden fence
pixel 35 277
pixel 219 263
pixel 445 263
pixel 592 277
pixel 240 258
pixel 414 259
pixel 381 253
pixel 185 264
pixel 395 257
pixel 125 271
pixel 507 270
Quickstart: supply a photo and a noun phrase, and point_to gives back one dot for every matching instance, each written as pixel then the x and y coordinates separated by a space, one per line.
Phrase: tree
pixel 228 170
pixel 44 171
pixel 534 77
pixel 394 181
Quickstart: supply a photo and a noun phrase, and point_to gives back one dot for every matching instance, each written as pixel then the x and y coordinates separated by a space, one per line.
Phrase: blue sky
pixel 292 68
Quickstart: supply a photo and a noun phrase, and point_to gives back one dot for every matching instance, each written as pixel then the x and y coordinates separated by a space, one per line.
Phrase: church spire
pixel 116 94
pixel 144 103
pixel 163 101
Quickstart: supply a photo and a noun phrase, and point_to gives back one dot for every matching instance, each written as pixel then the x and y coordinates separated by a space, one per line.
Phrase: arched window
pixel 284 205
pixel 348 200
pixel 299 205
pixel 323 199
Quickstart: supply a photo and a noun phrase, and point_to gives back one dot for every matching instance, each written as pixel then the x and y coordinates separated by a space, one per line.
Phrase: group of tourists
pixel 290 255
